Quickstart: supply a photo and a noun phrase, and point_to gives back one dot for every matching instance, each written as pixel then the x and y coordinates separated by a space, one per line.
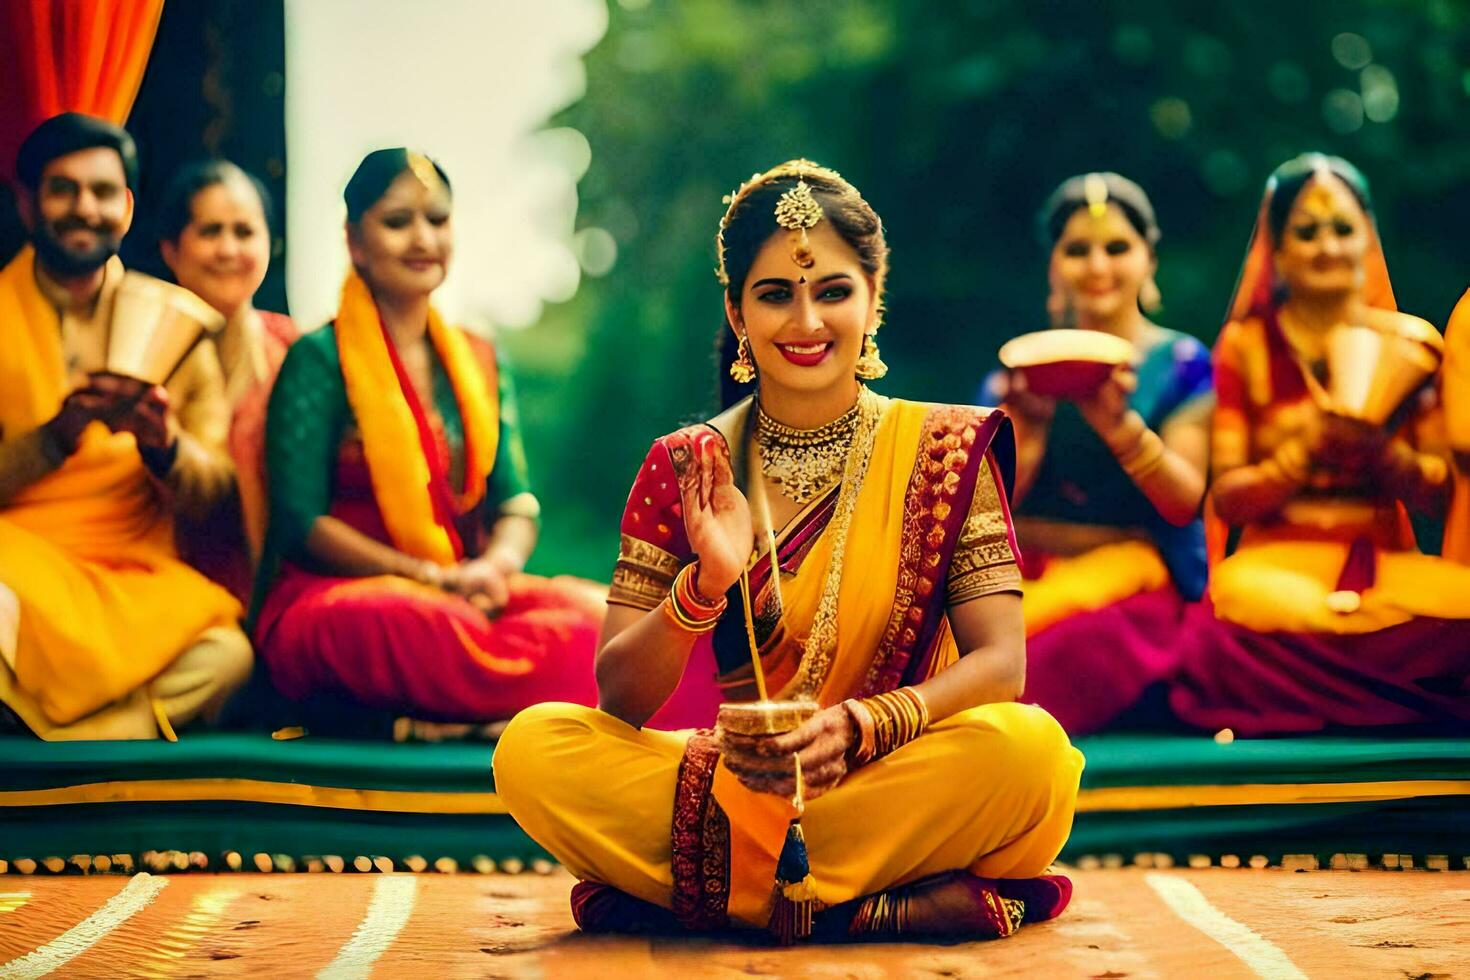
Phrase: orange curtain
pixel 70 56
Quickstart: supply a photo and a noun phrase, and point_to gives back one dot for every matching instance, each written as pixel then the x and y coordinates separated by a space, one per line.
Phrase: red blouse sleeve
pixel 653 545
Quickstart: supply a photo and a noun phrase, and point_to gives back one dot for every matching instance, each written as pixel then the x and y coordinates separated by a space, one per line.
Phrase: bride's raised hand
pixel 716 514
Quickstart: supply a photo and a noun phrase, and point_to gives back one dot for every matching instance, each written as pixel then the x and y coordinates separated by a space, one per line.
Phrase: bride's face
pixel 806 326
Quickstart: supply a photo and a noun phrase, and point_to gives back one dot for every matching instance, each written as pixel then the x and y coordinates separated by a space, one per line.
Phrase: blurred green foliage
pixel 956 119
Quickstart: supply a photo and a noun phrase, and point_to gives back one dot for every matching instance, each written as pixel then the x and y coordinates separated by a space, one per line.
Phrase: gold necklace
pixel 821 641
pixel 805 463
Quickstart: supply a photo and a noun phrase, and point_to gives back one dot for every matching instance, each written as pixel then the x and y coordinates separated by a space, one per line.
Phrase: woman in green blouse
pixel 401 513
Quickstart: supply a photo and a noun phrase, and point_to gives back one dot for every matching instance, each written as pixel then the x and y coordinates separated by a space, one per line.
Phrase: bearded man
pixel 104 633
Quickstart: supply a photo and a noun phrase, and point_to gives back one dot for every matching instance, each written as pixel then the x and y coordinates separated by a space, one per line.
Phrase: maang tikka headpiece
pixel 1095 189
pixel 797 210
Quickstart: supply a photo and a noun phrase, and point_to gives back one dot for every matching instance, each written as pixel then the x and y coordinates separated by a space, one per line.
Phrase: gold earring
pixel 1149 299
pixel 742 369
pixel 870 366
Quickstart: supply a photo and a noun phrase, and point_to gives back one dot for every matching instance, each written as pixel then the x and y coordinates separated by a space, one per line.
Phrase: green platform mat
pixel 247 793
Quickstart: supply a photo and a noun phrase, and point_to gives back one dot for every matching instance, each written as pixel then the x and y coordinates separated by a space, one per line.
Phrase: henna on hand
pixel 764 763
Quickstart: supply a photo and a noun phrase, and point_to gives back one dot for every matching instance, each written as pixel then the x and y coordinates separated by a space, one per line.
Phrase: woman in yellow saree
pixel 1327 615
pixel 935 804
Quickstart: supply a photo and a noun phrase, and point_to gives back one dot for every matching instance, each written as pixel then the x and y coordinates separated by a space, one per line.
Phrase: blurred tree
pixel 955 120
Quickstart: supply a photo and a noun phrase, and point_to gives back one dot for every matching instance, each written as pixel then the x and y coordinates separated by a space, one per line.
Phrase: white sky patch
pixel 470 83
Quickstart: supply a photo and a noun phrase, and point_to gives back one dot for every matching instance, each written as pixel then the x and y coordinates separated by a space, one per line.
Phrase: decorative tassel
pixel 796 892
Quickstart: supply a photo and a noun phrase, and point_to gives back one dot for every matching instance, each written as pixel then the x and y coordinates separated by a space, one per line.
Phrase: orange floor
pixel 1123 923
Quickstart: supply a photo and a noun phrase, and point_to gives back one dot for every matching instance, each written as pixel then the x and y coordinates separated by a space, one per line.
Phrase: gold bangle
pixel 862 751
pixel 899 717
pixel 1146 456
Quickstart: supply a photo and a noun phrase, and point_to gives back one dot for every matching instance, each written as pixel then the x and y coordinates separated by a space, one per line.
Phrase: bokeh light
pixel 1342 110
pixel 1380 94
pixel 1352 51
pixel 1171 117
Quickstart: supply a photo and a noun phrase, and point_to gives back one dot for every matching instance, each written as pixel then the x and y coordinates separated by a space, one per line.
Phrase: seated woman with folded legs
pixel 214 234
pixel 1109 484
pixel 1328 615
pixel 400 512
pixel 886 592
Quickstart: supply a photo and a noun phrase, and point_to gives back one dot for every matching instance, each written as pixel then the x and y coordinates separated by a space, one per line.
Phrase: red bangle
pixel 689 610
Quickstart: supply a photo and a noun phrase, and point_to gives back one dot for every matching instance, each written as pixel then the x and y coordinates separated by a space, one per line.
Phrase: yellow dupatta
pixel 402 478
pixel 88 550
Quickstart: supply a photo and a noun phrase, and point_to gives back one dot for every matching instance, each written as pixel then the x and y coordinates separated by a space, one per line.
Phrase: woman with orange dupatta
pixel 934 802
pixel 400 512
pixel 1327 614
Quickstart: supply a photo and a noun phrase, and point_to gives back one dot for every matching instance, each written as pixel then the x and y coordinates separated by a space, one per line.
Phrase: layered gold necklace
pixel 852 468
pixel 805 463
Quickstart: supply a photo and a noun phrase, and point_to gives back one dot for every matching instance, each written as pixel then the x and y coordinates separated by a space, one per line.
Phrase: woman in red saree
pixel 1327 614
pixel 400 511
pixel 214 235
pixel 886 591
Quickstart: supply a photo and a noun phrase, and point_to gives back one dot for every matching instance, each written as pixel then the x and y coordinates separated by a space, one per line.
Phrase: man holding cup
pixel 114 636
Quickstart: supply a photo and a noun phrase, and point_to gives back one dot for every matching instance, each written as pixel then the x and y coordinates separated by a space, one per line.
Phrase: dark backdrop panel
pixel 215 87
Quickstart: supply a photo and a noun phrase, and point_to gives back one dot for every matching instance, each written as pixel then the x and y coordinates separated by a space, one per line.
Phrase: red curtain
pixel 70 56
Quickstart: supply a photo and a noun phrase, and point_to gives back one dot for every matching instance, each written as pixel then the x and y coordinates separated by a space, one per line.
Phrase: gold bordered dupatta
pixel 411 488
pixel 921 474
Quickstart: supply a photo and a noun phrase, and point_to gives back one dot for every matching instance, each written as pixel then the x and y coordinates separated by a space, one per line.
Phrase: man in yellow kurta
pixel 104 633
